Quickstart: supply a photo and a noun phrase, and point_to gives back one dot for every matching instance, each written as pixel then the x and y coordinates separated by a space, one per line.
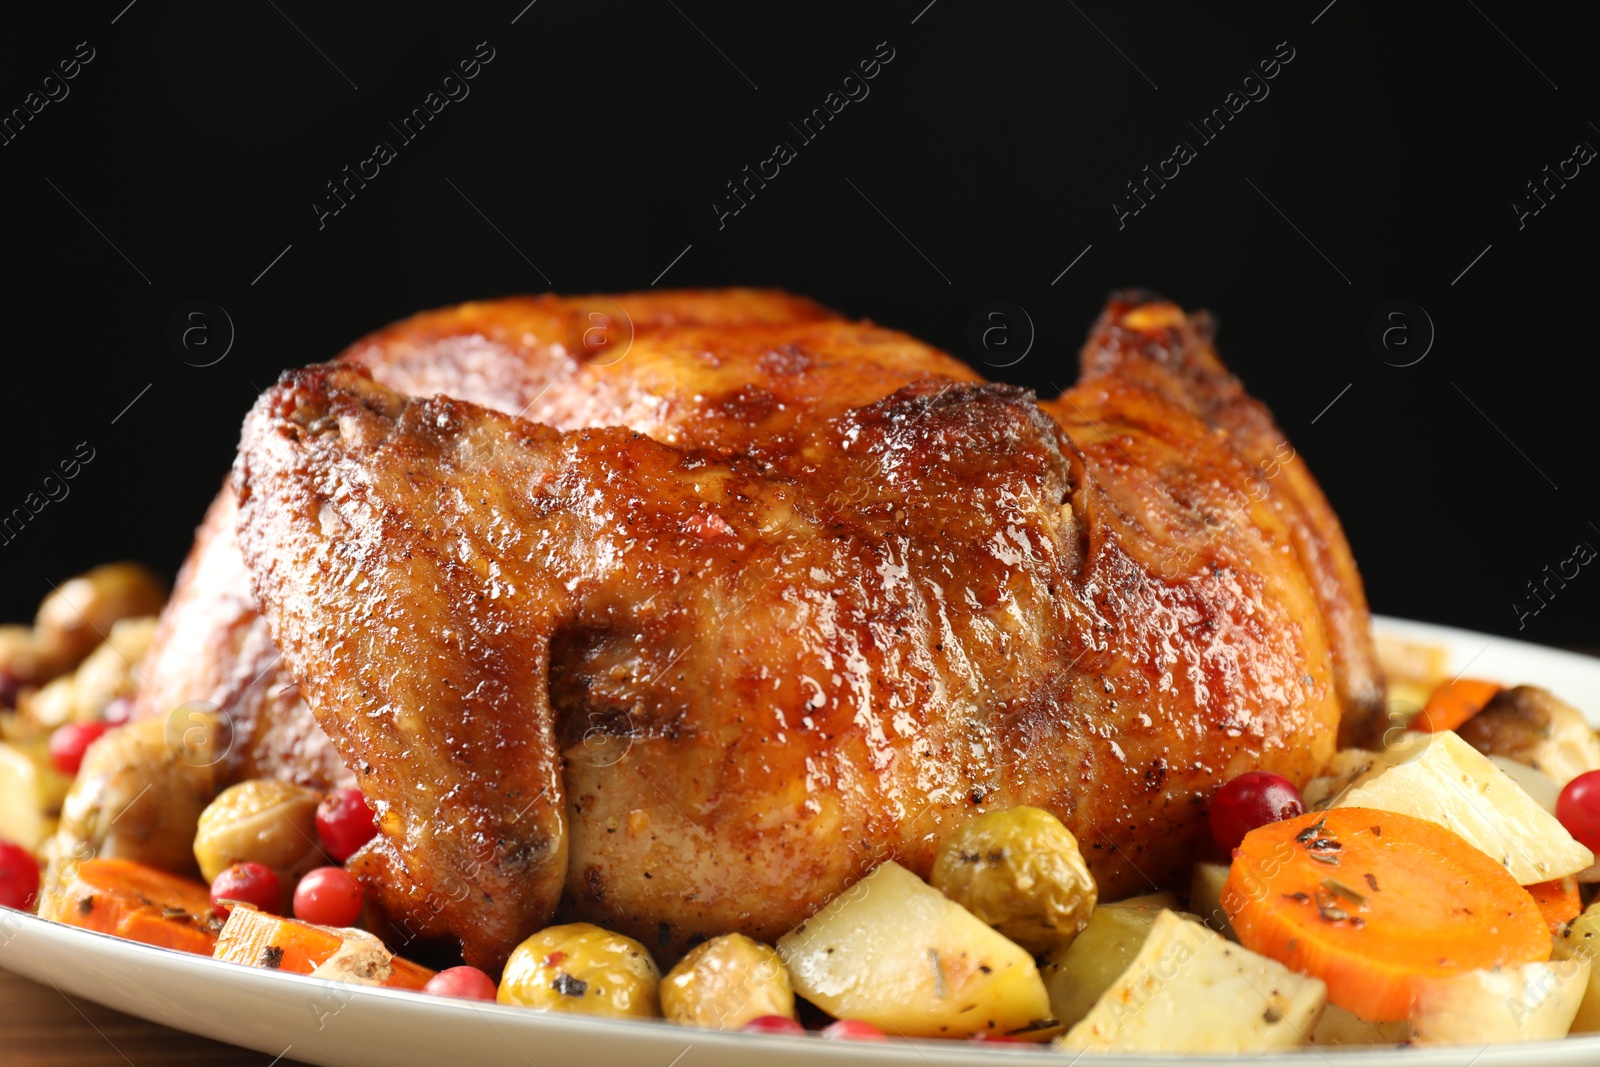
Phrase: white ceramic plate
pixel 347 1026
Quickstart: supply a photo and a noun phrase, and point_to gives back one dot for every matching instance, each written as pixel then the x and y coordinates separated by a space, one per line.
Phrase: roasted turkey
pixel 678 612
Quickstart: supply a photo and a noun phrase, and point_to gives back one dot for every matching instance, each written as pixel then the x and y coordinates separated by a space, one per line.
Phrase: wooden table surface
pixel 40 1027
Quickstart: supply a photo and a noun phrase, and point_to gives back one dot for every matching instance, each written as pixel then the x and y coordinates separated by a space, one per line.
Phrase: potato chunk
pixel 259 821
pixel 1529 1002
pixel 1448 782
pixel 1020 871
pixel 1189 990
pixel 1340 1026
pixel 894 951
pixel 724 983
pixel 1581 941
pixel 31 792
pixel 1077 974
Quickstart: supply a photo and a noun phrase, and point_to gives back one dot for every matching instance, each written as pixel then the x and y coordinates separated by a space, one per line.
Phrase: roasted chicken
pixel 686 641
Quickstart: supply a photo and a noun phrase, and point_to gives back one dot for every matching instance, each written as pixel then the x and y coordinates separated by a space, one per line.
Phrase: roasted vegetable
pixel 1339 1026
pixel 725 982
pixel 1530 725
pixel 1453 703
pixel 110 672
pixel 582 968
pixel 1076 976
pixel 79 614
pixel 1348 766
pixel 255 939
pixel 136 902
pixel 1558 902
pixel 31 793
pixel 1020 871
pixel 896 952
pixel 1449 783
pixel 1581 941
pixel 1531 1002
pixel 1374 902
pixel 1189 990
pixel 137 799
pixel 1205 897
pixel 259 821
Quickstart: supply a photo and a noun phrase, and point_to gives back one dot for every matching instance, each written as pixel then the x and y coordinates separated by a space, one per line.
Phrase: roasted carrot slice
pixel 1558 902
pixel 257 939
pixel 1372 902
pixel 1453 703
pixel 136 902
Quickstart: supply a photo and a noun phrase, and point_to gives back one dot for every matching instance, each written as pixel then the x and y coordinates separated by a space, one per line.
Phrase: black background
pixel 1383 162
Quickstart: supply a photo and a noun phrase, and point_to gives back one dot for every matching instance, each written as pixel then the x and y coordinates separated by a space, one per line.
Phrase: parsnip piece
pixel 896 952
pixel 1529 1002
pixel 1340 1026
pixel 1581 941
pixel 1077 975
pixel 1450 783
pixel 1205 897
pixel 1189 990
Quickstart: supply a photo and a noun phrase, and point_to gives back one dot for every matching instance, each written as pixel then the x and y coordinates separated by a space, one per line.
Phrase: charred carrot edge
pixel 140 903
pixel 1453 703
pixel 1373 902
pixel 1558 902
pixel 256 939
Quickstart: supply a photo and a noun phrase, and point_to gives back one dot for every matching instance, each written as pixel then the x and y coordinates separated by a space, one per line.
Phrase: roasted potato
pixel 1529 1002
pixel 1348 766
pixel 1020 871
pixel 109 672
pixel 1530 725
pixel 79 614
pixel 582 968
pixel 31 793
pixel 1189 990
pixel 260 821
pixel 725 982
pixel 1205 897
pixel 896 952
pixel 135 799
pixel 1581 941
pixel 1077 974
pixel 1447 781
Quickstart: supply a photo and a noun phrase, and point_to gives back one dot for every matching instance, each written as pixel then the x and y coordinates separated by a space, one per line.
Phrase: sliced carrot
pixel 1372 902
pixel 139 903
pixel 257 939
pixel 1558 902
pixel 1453 703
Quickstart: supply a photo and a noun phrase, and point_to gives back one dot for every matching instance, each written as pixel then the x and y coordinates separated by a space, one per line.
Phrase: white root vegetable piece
pixel 1189 990
pixel 1077 974
pixel 1205 897
pixel 1528 1002
pixel 1340 1026
pixel 1448 782
pixel 1581 941
pixel 896 952
pixel 31 792
pixel 1538 785
pixel 1348 766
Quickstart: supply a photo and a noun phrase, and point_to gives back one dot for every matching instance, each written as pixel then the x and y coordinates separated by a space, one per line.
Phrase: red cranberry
pixel 247 883
pixel 1253 799
pixel 1578 808
pixel 345 823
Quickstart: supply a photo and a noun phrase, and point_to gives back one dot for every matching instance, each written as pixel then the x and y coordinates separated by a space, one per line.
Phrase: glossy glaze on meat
pixel 825 596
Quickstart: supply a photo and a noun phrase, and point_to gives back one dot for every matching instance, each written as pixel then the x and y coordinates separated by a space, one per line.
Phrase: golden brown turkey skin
pixel 769 671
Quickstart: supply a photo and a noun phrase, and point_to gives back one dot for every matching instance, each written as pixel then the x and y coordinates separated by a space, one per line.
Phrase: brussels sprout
pixel 582 968
pixel 259 821
pixel 1021 872
pixel 725 982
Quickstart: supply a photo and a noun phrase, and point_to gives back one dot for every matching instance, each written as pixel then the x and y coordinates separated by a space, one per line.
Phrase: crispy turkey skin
pixel 813 597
